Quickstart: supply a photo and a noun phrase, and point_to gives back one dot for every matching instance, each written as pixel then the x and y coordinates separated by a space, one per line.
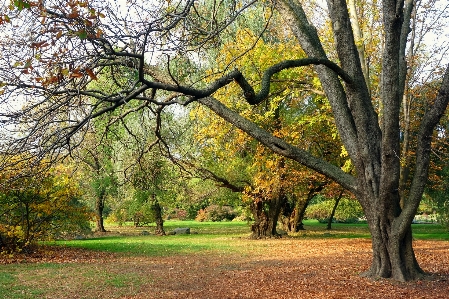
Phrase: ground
pixel 273 268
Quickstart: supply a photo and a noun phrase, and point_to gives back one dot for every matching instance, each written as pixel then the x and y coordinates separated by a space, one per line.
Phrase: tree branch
pixel 253 98
pixel 280 146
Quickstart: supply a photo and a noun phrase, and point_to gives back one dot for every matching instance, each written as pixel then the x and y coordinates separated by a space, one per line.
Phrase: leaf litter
pixel 272 268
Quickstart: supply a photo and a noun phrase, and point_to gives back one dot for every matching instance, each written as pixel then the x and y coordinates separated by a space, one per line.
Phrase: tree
pixel 99 177
pixel 297 112
pixel 52 78
pixel 45 204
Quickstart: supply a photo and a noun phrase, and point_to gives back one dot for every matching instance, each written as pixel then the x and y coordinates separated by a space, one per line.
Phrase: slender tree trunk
pixel 331 217
pixel 99 208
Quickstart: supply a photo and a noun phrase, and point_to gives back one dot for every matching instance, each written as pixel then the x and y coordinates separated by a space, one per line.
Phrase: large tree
pixel 52 49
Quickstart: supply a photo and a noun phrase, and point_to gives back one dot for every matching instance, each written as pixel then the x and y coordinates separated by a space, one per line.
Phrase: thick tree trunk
pixel 158 217
pixel 99 207
pixel 294 220
pixel 393 255
pixel 266 215
pixel 301 208
pixel 295 223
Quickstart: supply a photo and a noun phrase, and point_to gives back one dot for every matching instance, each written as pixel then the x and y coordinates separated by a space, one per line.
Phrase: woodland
pixel 270 112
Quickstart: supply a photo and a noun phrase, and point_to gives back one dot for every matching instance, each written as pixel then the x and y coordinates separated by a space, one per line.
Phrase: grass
pixel 25 281
pixel 206 236
pixel 22 281
pixel 218 236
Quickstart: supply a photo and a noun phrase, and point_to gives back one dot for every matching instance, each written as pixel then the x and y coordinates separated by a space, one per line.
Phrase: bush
pixel 348 211
pixel 216 213
pixel 41 205
pixel 12 239
pixel 179 214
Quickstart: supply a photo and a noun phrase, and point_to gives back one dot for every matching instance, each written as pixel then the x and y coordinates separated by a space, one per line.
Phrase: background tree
pixel 44 204
pixel 99 176
pixel 296 111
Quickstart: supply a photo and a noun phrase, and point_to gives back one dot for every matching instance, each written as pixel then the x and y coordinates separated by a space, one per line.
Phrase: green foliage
pixel 20 4
pixel 439 198
pixel 216 213
pixel 43 207
pixel 348 211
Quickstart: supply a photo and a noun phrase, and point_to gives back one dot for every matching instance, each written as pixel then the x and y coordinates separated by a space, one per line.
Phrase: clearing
pixel 219 262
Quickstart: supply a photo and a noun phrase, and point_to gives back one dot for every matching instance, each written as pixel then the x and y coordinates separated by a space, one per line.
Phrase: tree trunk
pixel 293 222
pixel 158 217
pixel 393 255
pixel 299 217
pixel 266 215
pixel 99 207
pixel 331 217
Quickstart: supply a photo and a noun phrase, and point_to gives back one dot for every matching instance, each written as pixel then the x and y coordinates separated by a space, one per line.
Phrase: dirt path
pixel 287 268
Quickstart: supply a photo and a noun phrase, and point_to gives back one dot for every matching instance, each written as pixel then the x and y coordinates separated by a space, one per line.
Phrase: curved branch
pixel 249 93
pixel 222 182
pixel 253 98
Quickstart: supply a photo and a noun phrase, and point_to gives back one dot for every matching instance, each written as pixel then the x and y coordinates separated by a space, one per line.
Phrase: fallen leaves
pixel 283 268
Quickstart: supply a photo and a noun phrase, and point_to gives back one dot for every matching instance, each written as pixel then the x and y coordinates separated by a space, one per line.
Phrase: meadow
pixel 219 261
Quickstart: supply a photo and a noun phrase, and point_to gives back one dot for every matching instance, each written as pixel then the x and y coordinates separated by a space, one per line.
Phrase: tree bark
pixel 331 217
pixel 266 215
pixel 300 210
pixel 99 208
pixel 158 217
pixel 294 222
pixel 393 255
pixel 293 218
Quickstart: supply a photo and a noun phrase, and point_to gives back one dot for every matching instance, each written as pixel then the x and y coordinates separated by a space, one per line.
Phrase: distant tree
pixel 44 204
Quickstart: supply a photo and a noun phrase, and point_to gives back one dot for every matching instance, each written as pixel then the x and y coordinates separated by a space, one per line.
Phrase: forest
pixel 271 113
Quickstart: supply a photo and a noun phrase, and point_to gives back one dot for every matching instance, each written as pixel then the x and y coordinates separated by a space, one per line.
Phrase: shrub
pixel 176 213
pixel 201 216
pixel 347 211
pixel 216 213
pixel 46 207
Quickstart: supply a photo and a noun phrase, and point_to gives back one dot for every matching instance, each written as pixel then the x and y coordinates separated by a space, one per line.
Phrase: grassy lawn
pixel 125 276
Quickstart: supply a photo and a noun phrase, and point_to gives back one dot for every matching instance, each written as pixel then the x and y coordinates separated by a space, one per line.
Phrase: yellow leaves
pixel 343 153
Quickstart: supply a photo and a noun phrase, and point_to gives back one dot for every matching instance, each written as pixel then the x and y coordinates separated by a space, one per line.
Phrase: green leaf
pixel 20 4
pixel 82 34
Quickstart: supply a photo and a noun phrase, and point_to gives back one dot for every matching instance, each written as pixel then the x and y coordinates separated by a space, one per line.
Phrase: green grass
pixel 218 236
pixel 206 236
pixel 12 288
pixel 360 230
pixel 27 281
